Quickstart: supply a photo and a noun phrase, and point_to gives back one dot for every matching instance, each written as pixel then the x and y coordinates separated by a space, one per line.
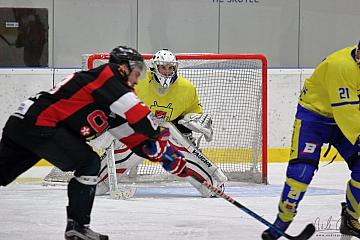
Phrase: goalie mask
pixel 129 56
pixel 164 68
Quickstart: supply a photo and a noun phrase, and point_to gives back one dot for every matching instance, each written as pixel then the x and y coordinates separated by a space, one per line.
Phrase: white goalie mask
pixel 164 68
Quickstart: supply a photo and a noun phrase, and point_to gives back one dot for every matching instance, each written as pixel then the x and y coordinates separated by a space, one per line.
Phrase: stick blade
pixel 123 193
pixel 308 231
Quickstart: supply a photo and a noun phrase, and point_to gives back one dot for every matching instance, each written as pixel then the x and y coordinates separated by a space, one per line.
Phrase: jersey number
pixel 344 93
pixel 98 121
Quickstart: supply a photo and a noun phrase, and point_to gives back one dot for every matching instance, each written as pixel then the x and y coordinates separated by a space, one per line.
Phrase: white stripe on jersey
pixel 124 103
pixel 122 131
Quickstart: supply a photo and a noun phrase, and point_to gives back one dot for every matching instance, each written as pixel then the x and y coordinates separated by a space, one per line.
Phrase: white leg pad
pixel 209 171
pixel 125 159
pixel 198 162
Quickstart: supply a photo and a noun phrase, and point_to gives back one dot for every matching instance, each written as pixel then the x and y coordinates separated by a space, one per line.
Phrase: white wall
pixel 283 89
pixel 20 83
pixel 291 33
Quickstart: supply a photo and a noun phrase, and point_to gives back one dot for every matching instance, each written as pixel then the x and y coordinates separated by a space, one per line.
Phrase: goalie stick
pixel 305 234
pixel 116 192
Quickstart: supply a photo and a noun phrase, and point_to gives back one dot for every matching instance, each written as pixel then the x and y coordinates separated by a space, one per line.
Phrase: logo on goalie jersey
pixel 162 112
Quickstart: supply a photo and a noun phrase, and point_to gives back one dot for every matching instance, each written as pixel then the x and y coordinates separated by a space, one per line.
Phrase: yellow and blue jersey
pixel 332 92
pixel 179 99
pixel 328 112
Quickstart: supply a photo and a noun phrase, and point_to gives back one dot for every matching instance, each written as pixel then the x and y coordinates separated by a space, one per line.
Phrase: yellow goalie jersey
pixel 179 99
pixel 333 91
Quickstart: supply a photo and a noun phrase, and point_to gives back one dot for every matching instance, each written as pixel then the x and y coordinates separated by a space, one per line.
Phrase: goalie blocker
pixel 197 163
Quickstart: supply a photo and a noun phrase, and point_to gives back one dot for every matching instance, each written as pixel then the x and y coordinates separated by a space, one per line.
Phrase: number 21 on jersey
pixel 344 93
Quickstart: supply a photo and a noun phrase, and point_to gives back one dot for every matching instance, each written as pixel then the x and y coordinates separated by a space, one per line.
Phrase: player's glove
pixel 155 149
pixel 160 150
pixel 175 163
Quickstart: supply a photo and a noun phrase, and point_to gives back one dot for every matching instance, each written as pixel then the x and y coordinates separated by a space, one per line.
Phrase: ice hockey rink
pixel 30 210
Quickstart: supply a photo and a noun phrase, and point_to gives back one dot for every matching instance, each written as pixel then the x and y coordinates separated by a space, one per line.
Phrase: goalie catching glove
pixel 200 123
pixel 160 150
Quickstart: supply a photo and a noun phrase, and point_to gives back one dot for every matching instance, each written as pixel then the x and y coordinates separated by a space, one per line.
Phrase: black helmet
pixel 123 54
pixel 128 56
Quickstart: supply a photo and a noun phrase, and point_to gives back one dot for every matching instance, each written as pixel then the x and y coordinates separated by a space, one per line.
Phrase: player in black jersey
pixel 56 124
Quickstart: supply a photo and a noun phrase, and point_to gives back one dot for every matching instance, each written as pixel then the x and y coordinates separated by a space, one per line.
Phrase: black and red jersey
pixel 89 103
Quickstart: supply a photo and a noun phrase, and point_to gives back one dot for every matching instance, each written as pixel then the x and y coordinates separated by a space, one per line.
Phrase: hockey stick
pixel 305 234
pixel 116 192
pixel 7 41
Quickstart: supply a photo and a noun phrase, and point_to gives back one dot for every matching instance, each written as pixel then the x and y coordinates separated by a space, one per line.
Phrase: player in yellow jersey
pixel 171 98
pixel 328 112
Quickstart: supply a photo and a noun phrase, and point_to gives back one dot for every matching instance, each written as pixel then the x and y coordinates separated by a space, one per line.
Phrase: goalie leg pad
pixel 125 159
pixel 217 179
pixel 196 162
pixel 202 166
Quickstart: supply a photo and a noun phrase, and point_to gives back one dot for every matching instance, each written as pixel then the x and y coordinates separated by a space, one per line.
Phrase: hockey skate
pixel 348 226
pixel 272 234
pixel 75 231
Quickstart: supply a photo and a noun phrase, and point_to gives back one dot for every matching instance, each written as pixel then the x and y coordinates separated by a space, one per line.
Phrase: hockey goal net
pixel 232 88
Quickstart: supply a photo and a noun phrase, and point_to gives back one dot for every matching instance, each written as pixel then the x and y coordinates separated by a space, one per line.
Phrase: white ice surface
pixel 29 210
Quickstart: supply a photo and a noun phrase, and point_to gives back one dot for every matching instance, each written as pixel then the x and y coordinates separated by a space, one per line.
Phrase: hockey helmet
pixel 164 57
pixel 357 59
pixel 130 57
